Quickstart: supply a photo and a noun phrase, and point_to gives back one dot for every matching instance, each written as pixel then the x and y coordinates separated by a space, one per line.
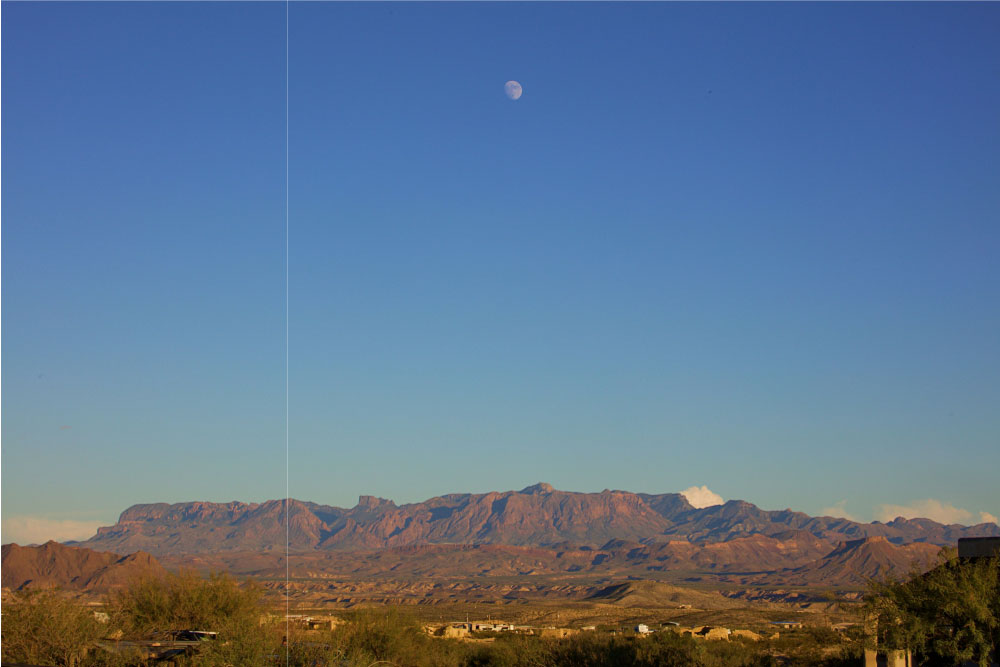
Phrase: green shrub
pixel 44 627
pixel 382 635
pixel 184 602
pixel 242 640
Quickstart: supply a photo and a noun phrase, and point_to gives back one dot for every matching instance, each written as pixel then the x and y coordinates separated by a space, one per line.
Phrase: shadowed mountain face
pixel 747 561
pixel 855 562
pixel 54 564
pixel 796 560
pixel 538 516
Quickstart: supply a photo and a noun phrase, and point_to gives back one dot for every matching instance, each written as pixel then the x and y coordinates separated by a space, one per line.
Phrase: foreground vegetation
pixel 47 629
pixel 385 636
pixel 946 616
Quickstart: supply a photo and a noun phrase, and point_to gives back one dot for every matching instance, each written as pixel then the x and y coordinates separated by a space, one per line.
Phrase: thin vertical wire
pixel 288 638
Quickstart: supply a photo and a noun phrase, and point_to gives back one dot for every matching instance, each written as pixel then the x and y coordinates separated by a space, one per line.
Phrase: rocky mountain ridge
pixel 537 516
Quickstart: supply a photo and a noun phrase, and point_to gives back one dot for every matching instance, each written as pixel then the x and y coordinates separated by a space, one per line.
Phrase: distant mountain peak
pixel 374 502
pixel 539 488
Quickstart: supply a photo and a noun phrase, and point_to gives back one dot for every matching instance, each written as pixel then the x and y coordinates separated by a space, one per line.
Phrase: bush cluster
pixel 949 615
pixel 45 628
pixel 49 629
pixel 184 601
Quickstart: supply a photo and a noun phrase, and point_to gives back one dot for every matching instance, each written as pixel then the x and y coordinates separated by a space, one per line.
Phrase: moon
pixel 513 90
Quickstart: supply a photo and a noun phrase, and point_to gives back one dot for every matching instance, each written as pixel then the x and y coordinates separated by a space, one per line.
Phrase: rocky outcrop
pixel 56 565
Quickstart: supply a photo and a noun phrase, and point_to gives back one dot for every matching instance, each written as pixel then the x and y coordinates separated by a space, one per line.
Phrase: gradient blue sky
pixel 750 246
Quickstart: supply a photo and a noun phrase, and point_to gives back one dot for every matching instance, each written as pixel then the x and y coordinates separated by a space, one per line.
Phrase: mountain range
pixel 490 540
pixel 665 525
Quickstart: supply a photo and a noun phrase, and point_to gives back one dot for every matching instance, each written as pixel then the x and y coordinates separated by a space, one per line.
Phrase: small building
pixel 642 629
pixel 454 631
pixel 321 623
pixel 715 633
pixel 787 625
pixel 556 633
pixel 978 547
pixel 490 626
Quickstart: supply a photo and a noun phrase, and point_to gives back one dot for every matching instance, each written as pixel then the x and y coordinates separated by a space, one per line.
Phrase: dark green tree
pixel 948 615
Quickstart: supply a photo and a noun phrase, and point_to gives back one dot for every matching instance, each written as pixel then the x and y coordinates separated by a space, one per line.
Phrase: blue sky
pixel 748 246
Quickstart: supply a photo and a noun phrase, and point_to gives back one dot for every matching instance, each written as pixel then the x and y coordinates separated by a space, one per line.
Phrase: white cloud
pixel 701 496
pixel 928 508
pixel 986 517
pixel 36 530
pixel 838 510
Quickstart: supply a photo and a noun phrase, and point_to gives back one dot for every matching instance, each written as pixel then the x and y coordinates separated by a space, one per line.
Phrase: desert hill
pixel 56 565
pixel 855 562
pixel 537 516
pixel 659 594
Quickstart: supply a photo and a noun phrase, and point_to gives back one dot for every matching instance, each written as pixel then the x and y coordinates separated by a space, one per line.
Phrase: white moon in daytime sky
pixel 512 89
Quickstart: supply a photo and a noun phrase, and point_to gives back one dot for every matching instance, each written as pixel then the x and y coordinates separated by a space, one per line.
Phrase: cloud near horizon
pixel 701 496
pixel 838 511
pixel 932 509
pixel 36 530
